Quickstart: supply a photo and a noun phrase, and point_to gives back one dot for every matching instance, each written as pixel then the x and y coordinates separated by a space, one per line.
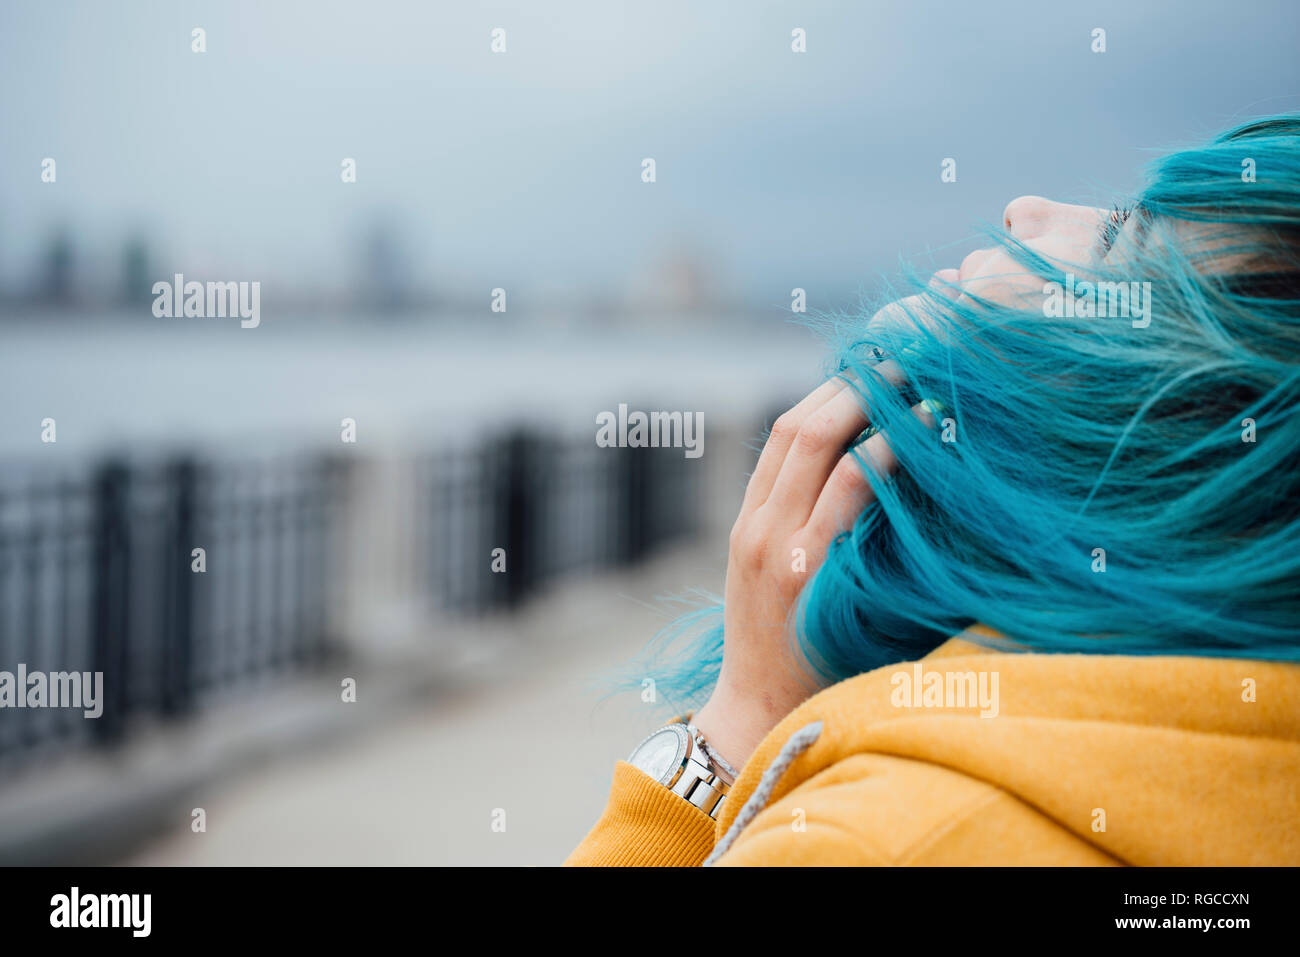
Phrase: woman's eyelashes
pixel 1110 227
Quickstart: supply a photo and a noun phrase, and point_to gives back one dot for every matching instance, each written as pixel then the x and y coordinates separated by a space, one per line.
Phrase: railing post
pixel 111 589
pixel 334 494
pixel 178 584
pixel 518 498
pixel 633 498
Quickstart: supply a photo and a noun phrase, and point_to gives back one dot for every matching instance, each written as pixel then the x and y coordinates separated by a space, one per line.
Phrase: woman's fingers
pixel 822 438
pixel 847 492
pixel 832 406
pixel 816 448
pixel 779 440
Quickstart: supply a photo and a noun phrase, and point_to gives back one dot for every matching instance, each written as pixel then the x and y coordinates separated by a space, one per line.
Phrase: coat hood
pixel 1153 760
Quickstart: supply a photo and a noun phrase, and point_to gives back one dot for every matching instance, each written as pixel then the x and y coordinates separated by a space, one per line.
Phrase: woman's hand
pixel 804 491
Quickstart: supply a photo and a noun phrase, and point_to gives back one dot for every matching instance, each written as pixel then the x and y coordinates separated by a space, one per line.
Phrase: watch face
pixel 661 753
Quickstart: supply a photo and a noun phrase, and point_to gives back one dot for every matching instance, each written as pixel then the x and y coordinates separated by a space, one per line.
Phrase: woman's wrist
pixel 732 726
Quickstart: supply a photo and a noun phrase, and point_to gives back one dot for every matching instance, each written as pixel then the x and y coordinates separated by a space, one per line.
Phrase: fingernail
pixel 934 406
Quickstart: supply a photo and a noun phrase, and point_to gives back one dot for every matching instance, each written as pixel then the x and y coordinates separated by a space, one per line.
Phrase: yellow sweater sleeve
pixel 645 825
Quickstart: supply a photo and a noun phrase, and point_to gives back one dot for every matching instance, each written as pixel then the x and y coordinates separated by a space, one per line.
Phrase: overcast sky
pixel 776 169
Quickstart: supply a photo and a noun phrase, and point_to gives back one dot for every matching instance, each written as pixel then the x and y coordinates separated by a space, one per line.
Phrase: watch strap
pixel 700 784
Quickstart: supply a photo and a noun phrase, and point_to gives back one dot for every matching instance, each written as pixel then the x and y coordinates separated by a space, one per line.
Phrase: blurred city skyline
pixel 478 170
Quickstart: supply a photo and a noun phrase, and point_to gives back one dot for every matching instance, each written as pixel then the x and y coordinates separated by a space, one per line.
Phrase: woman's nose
pixel 1030 217
pixel 1027 216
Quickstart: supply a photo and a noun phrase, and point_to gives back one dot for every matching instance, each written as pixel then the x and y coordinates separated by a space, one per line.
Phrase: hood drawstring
pixel 798 743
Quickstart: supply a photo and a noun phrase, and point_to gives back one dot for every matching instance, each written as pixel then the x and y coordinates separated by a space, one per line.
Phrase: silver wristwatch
pixel 673 757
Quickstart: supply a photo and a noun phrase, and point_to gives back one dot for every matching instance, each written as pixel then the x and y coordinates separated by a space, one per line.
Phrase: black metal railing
pixel 97 570
pixel 97 574
pixel 557 508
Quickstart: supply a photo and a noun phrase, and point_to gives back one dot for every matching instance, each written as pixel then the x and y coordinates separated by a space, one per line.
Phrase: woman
pixel 1051 503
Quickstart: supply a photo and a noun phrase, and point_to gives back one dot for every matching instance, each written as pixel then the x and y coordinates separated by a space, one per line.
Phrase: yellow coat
pixel 1088 760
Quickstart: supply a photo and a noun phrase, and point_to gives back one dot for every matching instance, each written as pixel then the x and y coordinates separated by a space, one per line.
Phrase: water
pixel 116 382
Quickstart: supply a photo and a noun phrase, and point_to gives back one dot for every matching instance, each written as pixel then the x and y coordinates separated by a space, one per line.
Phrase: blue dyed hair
pixel 1078 434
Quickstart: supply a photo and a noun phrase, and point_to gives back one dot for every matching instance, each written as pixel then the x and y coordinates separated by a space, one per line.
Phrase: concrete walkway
pixel 527 734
